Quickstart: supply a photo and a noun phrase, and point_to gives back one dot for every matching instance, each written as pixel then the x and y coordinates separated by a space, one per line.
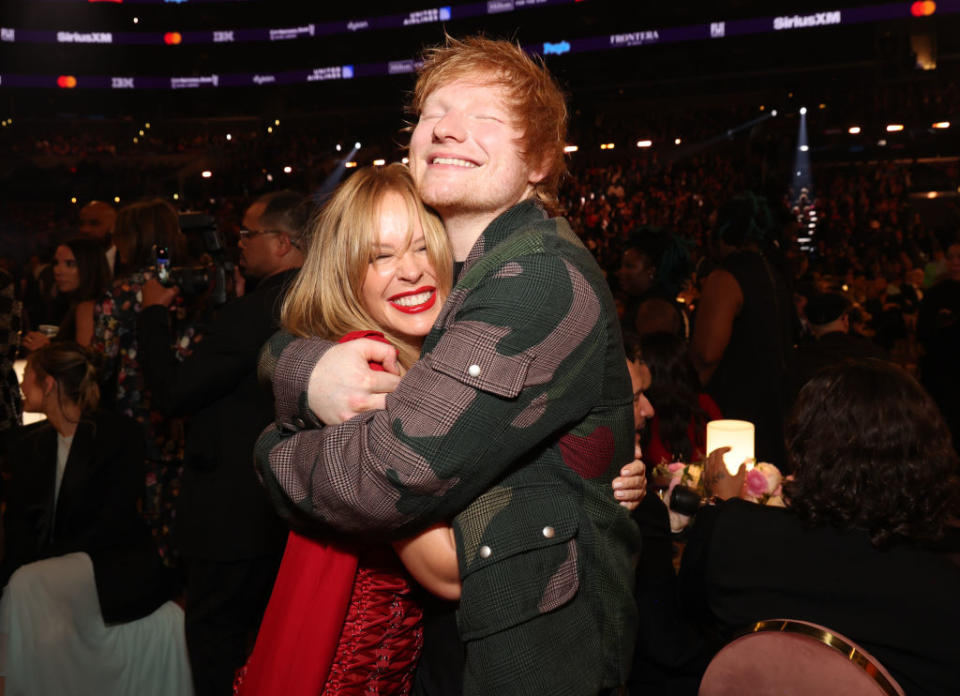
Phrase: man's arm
pixel 523 360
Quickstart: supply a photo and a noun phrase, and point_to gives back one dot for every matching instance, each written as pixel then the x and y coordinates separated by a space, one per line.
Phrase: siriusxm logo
pixel 803 21
pixel 556 49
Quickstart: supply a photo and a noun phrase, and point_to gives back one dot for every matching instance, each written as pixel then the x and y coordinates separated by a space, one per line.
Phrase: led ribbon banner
pixel 695 32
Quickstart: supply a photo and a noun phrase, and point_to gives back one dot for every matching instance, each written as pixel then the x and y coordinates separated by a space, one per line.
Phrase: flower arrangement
pixel 762 485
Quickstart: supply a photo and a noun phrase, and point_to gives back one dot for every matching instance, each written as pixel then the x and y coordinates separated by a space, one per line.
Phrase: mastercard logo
pixel 172 38
pixel 923 9
pixel 66 81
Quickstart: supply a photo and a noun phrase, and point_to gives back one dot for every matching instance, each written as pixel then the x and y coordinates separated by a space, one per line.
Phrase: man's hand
pixel 631 485
pixel 718 481
pixel 153 293
pixel 343 385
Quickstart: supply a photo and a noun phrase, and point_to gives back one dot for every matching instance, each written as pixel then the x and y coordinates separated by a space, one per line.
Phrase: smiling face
pixel 66 275
pixel 465 152
pixel 400 289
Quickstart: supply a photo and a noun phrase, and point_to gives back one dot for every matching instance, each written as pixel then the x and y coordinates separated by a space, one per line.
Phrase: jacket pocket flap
pixel 469 355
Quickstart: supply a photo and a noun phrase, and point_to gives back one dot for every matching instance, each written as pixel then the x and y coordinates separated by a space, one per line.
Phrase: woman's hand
pixel 153 293
pixel 718 481
pixel 34 340
pixel 631 485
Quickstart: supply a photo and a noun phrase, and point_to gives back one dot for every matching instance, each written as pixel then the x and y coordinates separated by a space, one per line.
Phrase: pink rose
pixel 756 484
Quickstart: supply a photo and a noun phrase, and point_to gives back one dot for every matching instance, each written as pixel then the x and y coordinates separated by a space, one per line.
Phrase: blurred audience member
pixel 96 222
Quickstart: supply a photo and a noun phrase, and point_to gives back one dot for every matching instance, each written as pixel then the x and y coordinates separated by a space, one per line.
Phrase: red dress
pixel 341 620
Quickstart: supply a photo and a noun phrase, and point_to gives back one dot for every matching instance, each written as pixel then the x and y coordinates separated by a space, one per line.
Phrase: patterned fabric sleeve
pixel 517 363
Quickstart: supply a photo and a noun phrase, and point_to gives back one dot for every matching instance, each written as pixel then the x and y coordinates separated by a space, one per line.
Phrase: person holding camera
pixel 141 229
pixel 228 535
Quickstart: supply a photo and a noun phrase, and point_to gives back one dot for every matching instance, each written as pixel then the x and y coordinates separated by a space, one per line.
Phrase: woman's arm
pixel 720 303
pixel 431 558
pixel 84 312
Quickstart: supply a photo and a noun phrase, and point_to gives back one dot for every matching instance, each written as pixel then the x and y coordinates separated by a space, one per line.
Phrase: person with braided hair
pixel 743 330
pixel 85 605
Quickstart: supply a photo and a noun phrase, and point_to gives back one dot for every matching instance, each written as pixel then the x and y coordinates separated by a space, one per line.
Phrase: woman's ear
pixel 49 384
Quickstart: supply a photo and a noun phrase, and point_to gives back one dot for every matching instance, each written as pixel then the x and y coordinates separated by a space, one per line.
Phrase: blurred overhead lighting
pixel 406 160
pixel 942 124
pixel 288 169
pixel 894 127
pixel 803 111
pixel 73 199
pixel 644 143
pixel 570 148
pixel 853 130
pixel 379 162
pixel 350 165
pixel 229 137
pixel 607 146
pixel 206 173
pixel 804 148
pixel 116 199
pixel 677 141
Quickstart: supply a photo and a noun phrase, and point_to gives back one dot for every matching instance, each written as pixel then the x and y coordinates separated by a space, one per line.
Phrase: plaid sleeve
pixel 520 360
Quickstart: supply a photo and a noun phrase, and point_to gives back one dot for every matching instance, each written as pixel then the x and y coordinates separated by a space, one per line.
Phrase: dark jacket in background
pixel 222 511
pixel 96 511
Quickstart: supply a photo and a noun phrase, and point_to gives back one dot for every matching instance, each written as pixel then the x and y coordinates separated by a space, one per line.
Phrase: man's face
pixel 96 220
pixel 640 381
pixel 465 151
pixel 256 249
pixel 634 274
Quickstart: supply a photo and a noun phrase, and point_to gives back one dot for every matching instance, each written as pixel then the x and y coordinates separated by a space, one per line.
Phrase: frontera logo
pixel 556 49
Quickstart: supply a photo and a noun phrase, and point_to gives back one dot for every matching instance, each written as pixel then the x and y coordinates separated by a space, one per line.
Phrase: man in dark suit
pixel 230 538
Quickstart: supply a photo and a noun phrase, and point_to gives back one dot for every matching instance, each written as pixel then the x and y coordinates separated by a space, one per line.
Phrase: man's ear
pixel 539 170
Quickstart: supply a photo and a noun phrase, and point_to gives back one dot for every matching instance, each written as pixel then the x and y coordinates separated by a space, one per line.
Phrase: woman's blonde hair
pixel 325 298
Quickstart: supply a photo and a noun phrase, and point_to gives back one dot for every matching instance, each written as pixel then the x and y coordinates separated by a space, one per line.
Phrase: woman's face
pixel 32 391
pixel 634 274
pixel 65 272
pixel 400 289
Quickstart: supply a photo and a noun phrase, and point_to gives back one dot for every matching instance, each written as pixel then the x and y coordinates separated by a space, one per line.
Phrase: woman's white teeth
pixel 454 161
pixel 412 300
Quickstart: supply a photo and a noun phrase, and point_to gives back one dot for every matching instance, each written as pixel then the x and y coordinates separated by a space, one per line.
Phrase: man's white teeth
pixel 454 161
pixel 413 300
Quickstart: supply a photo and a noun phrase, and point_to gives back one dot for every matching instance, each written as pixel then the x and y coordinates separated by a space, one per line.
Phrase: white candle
pixel 735 434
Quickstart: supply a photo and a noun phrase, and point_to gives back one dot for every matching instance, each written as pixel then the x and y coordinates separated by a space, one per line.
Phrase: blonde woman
pixel 342 618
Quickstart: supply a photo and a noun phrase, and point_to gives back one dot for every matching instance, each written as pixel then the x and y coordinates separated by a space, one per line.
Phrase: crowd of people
pixel 399 440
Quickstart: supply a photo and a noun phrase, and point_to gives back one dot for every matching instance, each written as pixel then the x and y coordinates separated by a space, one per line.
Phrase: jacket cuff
pixel 290 380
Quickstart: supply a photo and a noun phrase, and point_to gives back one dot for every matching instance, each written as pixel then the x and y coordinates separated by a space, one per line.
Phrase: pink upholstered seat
pixel 782 657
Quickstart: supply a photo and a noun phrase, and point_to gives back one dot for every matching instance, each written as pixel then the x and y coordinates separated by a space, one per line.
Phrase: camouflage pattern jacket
pixel 512 425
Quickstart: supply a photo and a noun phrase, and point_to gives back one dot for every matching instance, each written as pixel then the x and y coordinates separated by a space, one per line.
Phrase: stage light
pixel 931 194
pixel 269 177
pixel 116 199
pixel 379 162
pixel 229 137
pixel 269 129
pixel 773 113
pixel 206 173
pixel 356 145
pixel 73 199
pixel 762 107
pixel 136 20
pixel 570 148
pixel 276 122
pixel 350 165
pixel 136 140
pixel 677 141
pixel 845 287
pixel 882 142
pixel 853 130
pixel 894 127
pixel 607 146
pixel 644 143
pixel 288 169
pixel 176 196
pixel 941 124
pixel 406 160
pixel 823 106
pixel 803 111
pixel 804 148
pixel 141 132
pixel 146 125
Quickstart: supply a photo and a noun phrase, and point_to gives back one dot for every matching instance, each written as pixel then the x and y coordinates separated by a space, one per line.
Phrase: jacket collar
pixel 504 225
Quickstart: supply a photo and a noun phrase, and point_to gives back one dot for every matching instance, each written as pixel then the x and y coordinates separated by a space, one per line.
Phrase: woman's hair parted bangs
pixel 325 298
